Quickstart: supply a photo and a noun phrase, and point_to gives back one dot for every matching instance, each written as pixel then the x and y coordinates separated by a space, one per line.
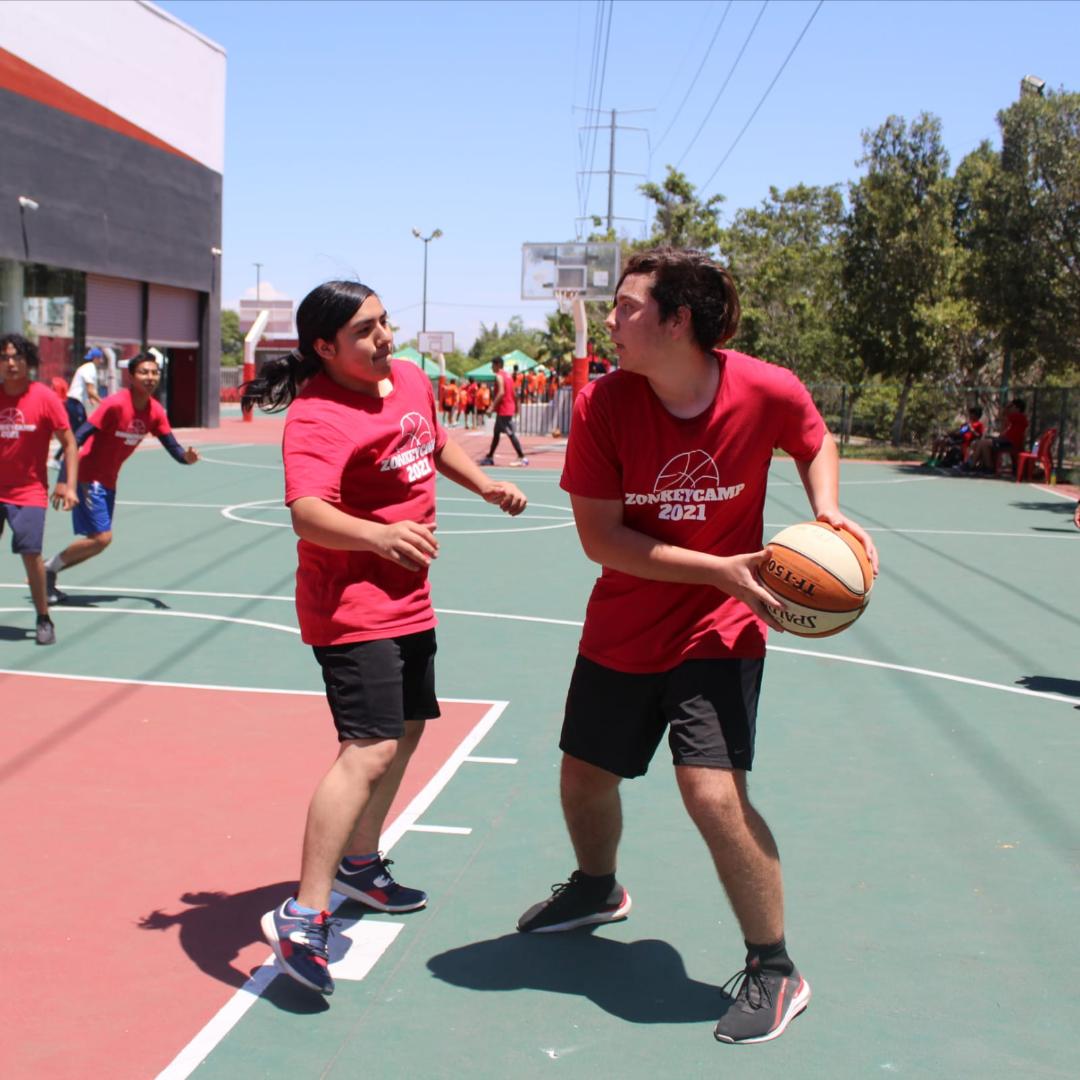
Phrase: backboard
pixel 589 267
pixel 436 341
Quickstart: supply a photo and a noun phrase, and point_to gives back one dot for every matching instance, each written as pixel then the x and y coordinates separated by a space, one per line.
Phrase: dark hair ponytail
pixel 321 314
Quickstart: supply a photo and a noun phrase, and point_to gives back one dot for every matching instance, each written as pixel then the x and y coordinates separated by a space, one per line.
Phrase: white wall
pixel 133 58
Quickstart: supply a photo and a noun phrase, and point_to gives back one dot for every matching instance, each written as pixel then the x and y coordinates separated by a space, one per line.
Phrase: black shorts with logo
pixel 373 687
pixel 615 720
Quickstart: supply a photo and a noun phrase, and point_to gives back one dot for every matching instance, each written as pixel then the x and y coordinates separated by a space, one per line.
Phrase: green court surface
pixel 919 772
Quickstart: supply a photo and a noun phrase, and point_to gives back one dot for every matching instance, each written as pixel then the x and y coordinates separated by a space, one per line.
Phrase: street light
pixel 427 240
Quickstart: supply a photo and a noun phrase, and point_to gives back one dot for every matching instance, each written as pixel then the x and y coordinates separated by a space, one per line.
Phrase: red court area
pixel 146 829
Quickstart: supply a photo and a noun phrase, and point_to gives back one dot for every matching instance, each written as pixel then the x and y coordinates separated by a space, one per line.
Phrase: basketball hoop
pixel 566 298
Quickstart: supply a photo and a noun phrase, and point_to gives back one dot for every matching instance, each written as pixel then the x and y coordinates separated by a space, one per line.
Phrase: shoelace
pixel 317 935
pixel 752 980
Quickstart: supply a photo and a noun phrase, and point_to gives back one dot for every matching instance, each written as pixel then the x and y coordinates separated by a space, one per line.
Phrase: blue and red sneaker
pixel 299 942
pixel 373 884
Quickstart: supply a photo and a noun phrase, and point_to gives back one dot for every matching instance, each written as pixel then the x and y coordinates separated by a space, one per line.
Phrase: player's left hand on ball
pixel 191 455
pixel 838 521
pixel 509 498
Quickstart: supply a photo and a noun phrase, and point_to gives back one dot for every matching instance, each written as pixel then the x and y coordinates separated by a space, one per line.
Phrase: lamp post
pixel 427 240
pixel 258 280
pixel 423 309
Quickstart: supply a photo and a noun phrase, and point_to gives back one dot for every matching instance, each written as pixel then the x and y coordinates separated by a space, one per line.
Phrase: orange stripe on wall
pixel 22 78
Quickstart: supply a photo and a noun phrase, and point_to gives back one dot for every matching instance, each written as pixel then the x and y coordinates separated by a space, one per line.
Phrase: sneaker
pixel 521 463
pixel 762 1007
pixel 46 632
pixel 54 595
pixel 300 945
pixel 571 905
pixel 375 886
pixel 486 461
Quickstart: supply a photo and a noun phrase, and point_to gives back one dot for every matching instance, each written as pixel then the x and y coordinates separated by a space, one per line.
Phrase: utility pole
pixel 612 126
pixel 258 280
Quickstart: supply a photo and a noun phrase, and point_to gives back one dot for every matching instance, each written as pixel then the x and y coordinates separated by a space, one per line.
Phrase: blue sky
pixel 350 123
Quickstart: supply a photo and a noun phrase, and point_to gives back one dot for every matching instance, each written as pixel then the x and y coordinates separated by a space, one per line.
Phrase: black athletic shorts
pixel 615 720
pixel 373 687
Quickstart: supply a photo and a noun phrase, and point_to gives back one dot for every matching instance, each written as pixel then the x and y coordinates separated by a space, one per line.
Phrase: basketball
pixel 822 574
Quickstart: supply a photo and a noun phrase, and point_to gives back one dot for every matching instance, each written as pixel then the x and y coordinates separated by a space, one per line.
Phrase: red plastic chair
pixel 1042 454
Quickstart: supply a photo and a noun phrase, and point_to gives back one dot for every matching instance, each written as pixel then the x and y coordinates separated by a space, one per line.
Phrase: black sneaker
pixel 486 461
pixel 54 594
pixel 375 886
pixel 572 904
pixel 46 632
pixel 762 1007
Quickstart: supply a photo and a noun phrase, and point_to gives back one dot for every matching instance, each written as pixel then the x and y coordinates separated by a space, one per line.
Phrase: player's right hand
pixel 408 544
pixel 64 498
pixel 740 578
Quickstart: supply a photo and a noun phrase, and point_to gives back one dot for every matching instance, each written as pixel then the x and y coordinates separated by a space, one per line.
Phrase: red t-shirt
pixel 697 483
pixel 1016 424
pixel 507 404
pixel 27 422
pixel 371 458
pixel 120 428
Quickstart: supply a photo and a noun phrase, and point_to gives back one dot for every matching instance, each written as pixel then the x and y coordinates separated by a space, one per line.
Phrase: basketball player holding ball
pixel 666 469
pixel 361 447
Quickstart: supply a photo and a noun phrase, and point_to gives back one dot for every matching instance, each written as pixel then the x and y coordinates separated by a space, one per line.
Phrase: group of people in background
pixel 466 402
pixel 92 450
pixel 968 449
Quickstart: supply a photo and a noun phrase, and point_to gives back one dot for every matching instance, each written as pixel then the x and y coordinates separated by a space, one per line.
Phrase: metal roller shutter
pixel 113 310
pixel 173 317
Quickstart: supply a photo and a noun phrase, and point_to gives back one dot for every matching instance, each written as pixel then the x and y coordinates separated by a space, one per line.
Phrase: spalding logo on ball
pixel 822 574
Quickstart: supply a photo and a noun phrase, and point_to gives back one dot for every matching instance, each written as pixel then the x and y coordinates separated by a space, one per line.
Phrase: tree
pixel 492 342
pixel 899 256
pixel 785 259
pixel 232 341
pixel 682 220
pixel 1018 218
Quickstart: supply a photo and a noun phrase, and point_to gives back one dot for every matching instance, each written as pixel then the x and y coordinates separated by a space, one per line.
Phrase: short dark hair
pixel 142 358
pixel 1020 403
pixel 498 362
pixel 23 346
pixel 687 278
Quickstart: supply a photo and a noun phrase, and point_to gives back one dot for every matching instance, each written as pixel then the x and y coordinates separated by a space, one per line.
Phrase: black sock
pixel 600 885
pixel 770 957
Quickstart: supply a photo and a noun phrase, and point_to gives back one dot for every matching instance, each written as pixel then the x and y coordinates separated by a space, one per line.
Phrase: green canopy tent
pixel 428 367
pixel 515 359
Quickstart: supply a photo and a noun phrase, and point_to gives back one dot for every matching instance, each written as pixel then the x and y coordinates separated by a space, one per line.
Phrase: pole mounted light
pixel 427 240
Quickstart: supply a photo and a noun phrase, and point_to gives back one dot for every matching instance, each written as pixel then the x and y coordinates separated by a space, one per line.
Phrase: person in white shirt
pixel 82 395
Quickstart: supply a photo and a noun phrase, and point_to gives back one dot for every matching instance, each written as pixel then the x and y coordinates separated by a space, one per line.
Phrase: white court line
pixel 178 506
pixel 230 1014
pixel 239 464
pixel 839 658
pixel 58 609
pixel 449 830
pixel 493 760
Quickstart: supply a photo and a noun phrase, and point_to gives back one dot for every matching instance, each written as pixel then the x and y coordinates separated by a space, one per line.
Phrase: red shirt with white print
pixel 120 429
pixel 697 483
pixel 372 458
pixel 27 422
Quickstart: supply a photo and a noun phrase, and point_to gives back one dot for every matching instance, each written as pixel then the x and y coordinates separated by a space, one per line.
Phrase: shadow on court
pixel 18 633
pixel 1051 684
pixel 217 925
pixel 93 600
pixel 642 982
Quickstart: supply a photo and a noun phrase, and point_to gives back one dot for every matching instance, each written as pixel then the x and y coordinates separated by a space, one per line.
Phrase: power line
pixel 724 85
pixel 693 82
pixel 599 103
pixel 768 89
pixel 583 142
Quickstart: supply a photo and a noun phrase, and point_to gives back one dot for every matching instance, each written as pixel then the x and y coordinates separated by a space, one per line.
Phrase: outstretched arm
pixel 821 479
pixel 185 457
pixel 611 543
pixel 456 465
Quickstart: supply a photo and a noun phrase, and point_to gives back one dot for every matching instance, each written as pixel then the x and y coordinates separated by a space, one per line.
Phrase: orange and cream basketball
pixel 822 574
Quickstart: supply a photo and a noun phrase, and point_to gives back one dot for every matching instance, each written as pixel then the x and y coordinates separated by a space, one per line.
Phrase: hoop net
pixel 566 298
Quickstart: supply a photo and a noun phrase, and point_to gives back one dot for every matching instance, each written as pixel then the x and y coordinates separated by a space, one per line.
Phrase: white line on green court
pixel 493 760
pixel 448 830
pixel 839 658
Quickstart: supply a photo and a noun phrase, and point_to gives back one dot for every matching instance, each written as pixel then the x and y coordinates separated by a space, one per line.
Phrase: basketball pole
pixel 579 373
pixel 440 359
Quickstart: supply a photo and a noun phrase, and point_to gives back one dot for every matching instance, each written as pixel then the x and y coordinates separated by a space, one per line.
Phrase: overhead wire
pixel 594 111
pixel 768 90
pixel 697 75
pixel 583 137
pixel 723 86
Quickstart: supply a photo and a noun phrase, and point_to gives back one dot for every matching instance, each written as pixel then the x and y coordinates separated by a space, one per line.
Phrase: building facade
pixel 112 129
